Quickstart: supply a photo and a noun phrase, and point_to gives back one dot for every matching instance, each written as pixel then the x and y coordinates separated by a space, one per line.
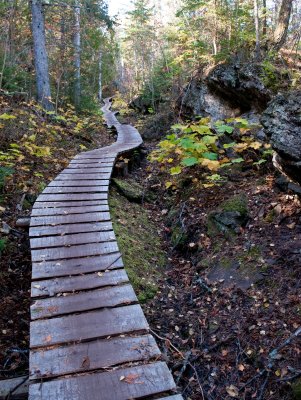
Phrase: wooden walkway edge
pixel 89 338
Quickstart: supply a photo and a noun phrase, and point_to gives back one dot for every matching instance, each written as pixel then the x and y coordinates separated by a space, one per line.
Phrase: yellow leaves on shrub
pixel 255 145
pixel 211 164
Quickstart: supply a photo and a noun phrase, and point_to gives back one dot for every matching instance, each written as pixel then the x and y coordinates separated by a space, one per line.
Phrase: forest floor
pixel 227 313
pixel 219 305
pixel 34 148
pixel 224 304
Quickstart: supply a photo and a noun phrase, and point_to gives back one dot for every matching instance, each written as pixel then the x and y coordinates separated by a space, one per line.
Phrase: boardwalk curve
pixel 89 338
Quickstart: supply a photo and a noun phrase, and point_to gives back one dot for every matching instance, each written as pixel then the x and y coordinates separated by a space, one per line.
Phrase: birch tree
pixel 40 55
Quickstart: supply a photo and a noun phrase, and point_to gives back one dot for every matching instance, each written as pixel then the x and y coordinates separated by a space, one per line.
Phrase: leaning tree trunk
pixel 40 55
pixel 280 33
pixel 77 53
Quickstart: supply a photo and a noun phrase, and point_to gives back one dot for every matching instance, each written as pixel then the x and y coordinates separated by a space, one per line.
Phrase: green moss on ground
pixel 296 386
pixel 237 203
pixel 139 244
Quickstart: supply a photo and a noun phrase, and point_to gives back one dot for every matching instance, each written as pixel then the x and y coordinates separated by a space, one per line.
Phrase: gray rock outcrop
pixel 282 123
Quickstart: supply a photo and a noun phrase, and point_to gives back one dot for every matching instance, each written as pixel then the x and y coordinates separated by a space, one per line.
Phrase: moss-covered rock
pixel 132 190
pixel 296 387
pixel 238 203
pixel 230 216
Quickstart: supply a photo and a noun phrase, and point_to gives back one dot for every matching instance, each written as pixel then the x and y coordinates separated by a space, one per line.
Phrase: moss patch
pixel 237 203
pixel 297 389
pixel 139 244
pixel 131 190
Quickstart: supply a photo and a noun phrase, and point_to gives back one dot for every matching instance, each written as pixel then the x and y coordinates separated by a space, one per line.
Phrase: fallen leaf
pixel 48 339
pixel 232 391
pixel 86 362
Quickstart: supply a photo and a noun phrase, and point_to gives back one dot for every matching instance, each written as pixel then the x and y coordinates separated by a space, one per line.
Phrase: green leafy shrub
pixel 201 144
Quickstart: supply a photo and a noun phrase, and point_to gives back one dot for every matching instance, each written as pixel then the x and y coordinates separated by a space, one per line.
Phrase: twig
pixel 198 379
pixel 273 354
pixel 272 358
pixel 167 340
pixel 184 357
pixel 261 394
pixel 184 366
pixel 203 285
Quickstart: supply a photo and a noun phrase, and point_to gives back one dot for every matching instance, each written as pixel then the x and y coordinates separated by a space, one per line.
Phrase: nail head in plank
pixel 63 253
pixel 91 356
pixel 71 240
pixel 145 380
pixel 89 325
pixel 83 301
pixel 49 269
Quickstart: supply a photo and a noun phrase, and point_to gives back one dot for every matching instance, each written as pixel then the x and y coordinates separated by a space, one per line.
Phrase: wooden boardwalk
pixel 89 338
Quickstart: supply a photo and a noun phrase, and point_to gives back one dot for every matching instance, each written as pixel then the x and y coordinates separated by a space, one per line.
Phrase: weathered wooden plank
pixel 92 164
pixel 71 240
pixel 87 170
pixel 96 156
pixel 175 397
pixel 68 210
pixel 96 280
pixel 72 197
pixel 14 389
pixel 89 325
pixel 62 230
pixel 74 189
pixel 49 269
pixel 75 183
pixel 71 204
pixel 91 356
pixel 101 160
pixel 148 380
pixel 83 176
pixel 85 250
pixel 83 301
pixel 70 219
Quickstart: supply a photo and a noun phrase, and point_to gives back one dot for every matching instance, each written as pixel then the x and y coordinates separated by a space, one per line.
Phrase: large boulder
pixel 282 123
pixel 227 91
pixel 198 100
pixel 242 86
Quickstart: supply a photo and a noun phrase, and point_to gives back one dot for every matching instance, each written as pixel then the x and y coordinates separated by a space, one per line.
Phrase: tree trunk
pixel 256 20
pixel 77 53
pixel 265 22
pixel 280 33
pixel 40 55
pixel 100 75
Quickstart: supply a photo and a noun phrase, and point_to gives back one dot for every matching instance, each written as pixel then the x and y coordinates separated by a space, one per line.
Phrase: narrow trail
pixel 85 316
